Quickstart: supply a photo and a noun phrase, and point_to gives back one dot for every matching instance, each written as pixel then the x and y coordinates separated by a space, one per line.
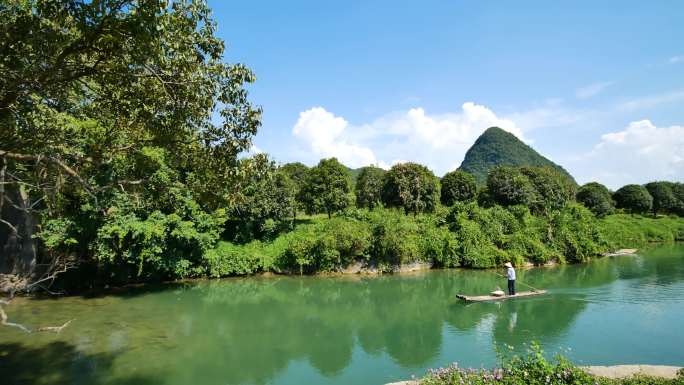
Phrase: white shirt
pixel 510 273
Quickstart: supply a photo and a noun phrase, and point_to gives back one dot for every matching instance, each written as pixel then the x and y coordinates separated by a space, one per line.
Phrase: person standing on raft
pixel 510 274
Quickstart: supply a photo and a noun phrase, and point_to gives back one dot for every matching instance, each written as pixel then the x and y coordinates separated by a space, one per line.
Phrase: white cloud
pixel 676 59
pixel 439 140
pixel 591 90
pixel 325 134
pixel 640 153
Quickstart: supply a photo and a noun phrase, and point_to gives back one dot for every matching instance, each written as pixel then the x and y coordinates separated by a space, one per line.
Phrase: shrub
pixel 159 246
pixel 574 234
pixel 439 245
pixel 325 246
pixel 395 239
pixel 534 368
pixel 230 259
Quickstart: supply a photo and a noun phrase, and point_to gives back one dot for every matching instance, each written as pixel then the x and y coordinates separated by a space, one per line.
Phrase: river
pixel 349 329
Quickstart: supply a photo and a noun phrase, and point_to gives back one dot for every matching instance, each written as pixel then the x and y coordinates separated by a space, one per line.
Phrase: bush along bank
pixel 533 368
pixel 465 235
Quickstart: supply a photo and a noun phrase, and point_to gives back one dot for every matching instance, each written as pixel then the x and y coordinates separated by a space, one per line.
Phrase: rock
pixel 623 371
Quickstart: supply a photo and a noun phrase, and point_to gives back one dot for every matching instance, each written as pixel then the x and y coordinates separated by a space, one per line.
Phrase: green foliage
pixel 439 246
pixel 664 199
pixel 533 368
pixel 324 246
pixel 574 234
pixel 411 186
pixel 629 231
pixel 158 245
pixel 543 189
pixel 554 188
pixel 496 147
pixel 678 192
pixel 264 199
pixel 457 186
pixel 596 198
pixel 297 172
pixel 634 199
pixel 509 186
pixel 395 239
pixel 229 259
pixel 369 187
pixel 327 188
pixel 108 119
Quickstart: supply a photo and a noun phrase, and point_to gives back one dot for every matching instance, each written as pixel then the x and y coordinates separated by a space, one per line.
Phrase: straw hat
pixel 508 264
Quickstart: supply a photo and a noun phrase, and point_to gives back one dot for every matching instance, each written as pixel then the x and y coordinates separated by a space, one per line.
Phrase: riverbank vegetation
pixel 533 368
pixel 113 169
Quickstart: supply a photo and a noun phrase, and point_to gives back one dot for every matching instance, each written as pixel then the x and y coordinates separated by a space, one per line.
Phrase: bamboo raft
pixel 484 298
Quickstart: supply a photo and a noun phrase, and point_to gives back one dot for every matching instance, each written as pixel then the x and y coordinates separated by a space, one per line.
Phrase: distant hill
pixel 354 172
pixel 496 147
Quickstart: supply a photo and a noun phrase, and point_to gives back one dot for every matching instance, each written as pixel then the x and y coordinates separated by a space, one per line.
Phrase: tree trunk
pixel 18 247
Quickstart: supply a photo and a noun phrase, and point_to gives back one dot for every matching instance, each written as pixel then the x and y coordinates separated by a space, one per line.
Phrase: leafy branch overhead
pixel 111 107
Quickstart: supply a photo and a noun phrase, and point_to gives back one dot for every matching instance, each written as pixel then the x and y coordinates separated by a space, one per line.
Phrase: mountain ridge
pixel 497 147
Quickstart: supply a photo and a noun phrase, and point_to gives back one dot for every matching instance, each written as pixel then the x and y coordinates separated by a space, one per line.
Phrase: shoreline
pixel 611 371
pixel 358 269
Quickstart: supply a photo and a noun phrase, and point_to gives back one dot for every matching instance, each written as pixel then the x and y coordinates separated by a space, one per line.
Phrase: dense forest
pixel 114 170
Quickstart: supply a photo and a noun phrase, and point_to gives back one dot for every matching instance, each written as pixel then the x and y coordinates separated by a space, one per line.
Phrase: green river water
pixel 349 329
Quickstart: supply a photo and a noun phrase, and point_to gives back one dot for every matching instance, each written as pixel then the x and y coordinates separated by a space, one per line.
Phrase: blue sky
pixel 597 87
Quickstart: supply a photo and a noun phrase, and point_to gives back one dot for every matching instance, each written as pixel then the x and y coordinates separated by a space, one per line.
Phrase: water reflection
pixel 255 330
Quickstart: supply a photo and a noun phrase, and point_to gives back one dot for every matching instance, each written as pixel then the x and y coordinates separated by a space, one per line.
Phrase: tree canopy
pixel 664 199
pixel 412 187
pixel 597 198
pixel 457 186
pixel 633 198
pixel 509 186
pixel 543 189
pixel 106 112
pixel 327 187
pixel 368 187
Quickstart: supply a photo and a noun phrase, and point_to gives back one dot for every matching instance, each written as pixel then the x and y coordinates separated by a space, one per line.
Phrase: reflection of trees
pixel 250 330
pixel 538 319
pixel 58 363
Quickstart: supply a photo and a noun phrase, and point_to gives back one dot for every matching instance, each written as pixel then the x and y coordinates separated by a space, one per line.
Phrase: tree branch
pixel 4 321
pixel 38 158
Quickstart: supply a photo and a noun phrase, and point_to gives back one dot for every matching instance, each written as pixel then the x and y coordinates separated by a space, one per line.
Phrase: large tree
pixel 597 198
pixel 633 198
pixel 509 186
pixel 264 195
pixel 412 187
pixel 458 186
pixel 369 187
pixel 297 173
pixel 327 187
pixel 664 199
pixel 678 192
pixel 555 189
pixel 107 115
